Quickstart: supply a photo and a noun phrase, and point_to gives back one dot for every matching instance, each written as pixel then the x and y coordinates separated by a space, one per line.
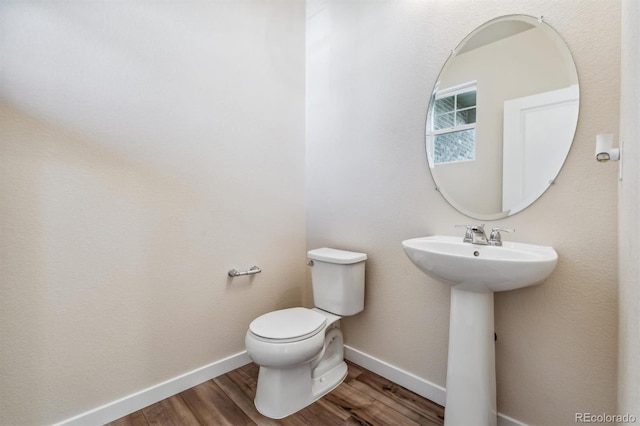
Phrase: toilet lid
pixel 287 324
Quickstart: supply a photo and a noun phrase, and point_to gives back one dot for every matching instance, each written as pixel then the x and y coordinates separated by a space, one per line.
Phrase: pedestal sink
pixel 475 272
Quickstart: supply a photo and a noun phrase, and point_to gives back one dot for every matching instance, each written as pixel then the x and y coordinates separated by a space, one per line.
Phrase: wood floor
pixel 364 398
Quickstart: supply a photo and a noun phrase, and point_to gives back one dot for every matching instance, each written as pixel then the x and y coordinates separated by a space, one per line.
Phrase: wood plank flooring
pixel 364 398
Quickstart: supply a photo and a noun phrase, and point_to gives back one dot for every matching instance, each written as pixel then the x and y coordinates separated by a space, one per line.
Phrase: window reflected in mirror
pixel 453 126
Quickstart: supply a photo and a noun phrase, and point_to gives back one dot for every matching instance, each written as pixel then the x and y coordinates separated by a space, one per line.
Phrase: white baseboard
pixel 416 384
pixel 504 420
pixel 134 402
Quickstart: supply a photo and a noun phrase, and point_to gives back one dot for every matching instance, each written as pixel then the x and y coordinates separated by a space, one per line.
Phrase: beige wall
pixel 629 215
pixel 146 149
pixel 370 69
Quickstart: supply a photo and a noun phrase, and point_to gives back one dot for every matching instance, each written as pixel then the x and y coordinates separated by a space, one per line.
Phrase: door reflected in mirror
pixel 502 117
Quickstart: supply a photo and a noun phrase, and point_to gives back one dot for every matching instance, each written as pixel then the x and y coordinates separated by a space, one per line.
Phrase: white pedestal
pixel 471 367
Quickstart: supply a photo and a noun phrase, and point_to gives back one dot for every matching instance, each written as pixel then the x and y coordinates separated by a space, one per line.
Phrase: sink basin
pixel 481 268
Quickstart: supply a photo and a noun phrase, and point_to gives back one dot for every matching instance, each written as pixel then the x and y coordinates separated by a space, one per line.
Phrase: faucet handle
pixel 495 239
pixel 469 233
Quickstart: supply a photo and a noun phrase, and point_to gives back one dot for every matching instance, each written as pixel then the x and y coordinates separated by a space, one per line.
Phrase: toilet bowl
pixel 300 351
pixel 296 370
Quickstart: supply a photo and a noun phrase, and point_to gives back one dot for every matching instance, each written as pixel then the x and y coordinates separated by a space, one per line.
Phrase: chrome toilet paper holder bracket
pixel 253 270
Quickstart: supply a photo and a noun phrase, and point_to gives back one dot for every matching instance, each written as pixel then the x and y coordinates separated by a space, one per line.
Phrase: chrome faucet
pixel 495 239
pixel 474 234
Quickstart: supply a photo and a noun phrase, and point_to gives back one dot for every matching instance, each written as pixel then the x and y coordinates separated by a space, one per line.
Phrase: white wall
pixel 629 215
pixel 371 67
pixel 146 148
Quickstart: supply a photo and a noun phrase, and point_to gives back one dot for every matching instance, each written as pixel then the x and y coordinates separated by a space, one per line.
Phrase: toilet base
pixel 329 381
pixel 283 391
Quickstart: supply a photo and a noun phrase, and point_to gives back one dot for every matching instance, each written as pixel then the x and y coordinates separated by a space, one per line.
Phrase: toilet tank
pixel 337 277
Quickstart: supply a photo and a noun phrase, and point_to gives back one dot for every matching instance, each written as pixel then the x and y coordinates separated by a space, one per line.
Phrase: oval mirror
pixel 502 117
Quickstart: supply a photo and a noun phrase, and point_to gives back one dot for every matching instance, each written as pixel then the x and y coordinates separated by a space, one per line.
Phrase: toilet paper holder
pixel 253 270
pixel 604 150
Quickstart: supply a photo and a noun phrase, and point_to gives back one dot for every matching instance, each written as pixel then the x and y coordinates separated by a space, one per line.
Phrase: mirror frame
pixel 528 201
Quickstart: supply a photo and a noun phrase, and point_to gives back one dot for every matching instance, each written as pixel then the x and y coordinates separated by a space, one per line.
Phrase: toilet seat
pixel 287 325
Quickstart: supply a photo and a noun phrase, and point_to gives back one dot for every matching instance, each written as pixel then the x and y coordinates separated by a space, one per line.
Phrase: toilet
pixel 300 351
